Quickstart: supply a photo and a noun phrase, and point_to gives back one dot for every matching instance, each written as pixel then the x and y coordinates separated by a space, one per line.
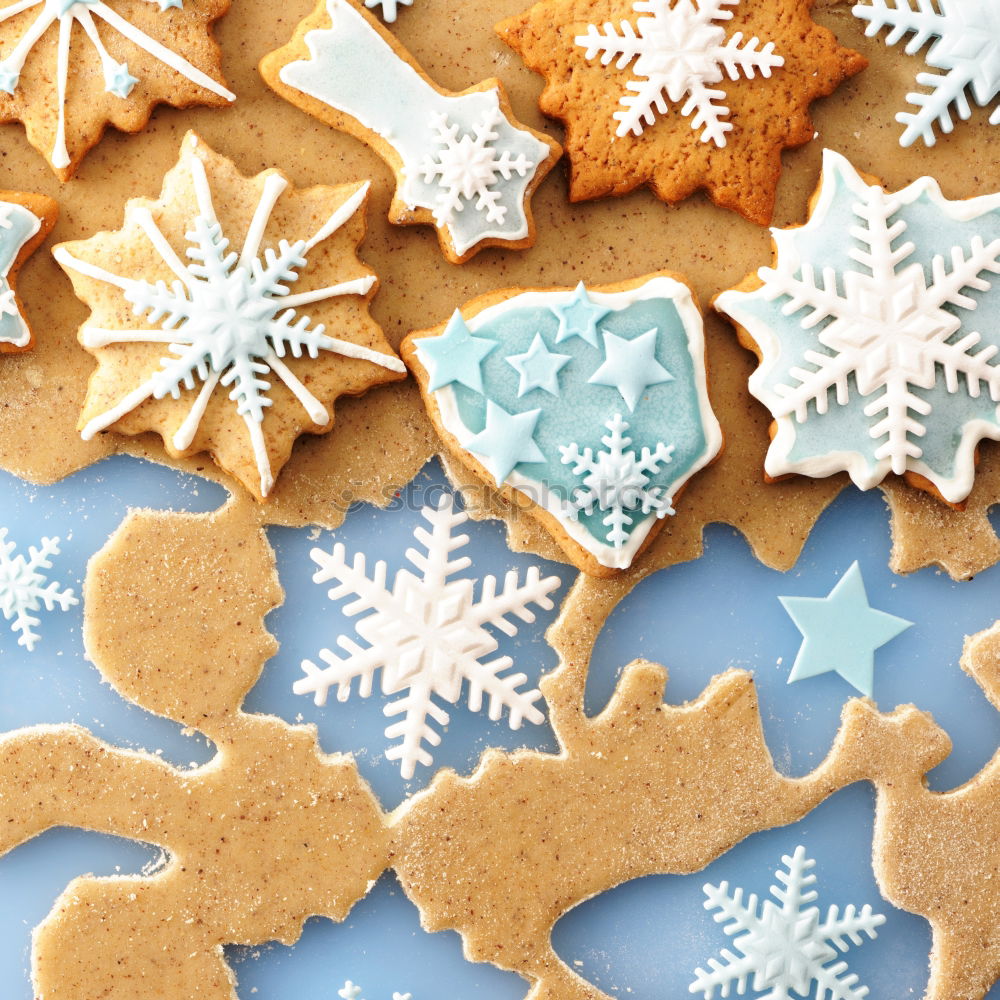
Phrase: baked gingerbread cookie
pixel 25 221
pixel 877 329
pixel 217 353
pixel 587 408
pixel 70 68
pixel 463 163
pixel 679 95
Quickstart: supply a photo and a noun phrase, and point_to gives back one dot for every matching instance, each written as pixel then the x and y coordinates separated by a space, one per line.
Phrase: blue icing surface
pixel 668 412
pixel 21 226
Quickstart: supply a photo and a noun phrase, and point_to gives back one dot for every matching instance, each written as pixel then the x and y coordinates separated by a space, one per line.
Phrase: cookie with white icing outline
pixel 70 68
pixel 587 409
pixel 228 350
pixel 462 162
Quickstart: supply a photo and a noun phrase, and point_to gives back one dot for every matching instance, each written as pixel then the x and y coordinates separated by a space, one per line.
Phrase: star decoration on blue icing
pixel 841 632
pixel 579 317
pixel 630 366
pixel 455 356
pixel 539 367
pixel 506 440
pixel 120 81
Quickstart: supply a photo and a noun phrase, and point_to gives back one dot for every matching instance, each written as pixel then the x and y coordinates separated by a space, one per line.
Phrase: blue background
pixel 642 940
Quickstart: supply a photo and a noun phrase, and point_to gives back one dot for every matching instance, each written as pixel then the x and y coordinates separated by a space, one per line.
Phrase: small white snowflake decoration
pixel 964 38
pixel 390 8
pixel 469 167
pixel 618 480
pixel 680 50
pixel 785 948
pixel 23 589
pixel 428 636
pixel 351 991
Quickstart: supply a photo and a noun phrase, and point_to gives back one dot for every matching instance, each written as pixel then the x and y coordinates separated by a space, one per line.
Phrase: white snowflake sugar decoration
pixel 351 991
pixel 785 947
pixel 469 167
pixel 23 587
pixel 679 51
pixel 228 318
pixel 618 480
pixel 966 46
pixel 428 636
pixel 390 8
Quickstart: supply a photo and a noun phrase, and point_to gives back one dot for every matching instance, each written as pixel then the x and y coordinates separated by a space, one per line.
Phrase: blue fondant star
pixel 841 632
pixel 455 356
pixel 506 440
pixel 579 317
pixel 539 367
pixel 120 81
pixel 630 366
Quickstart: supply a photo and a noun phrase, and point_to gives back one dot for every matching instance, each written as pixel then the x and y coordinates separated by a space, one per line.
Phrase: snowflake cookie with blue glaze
pixel 210 310
pixel 679 94
pixel 963 43
pixel 70 68
pixel 878 333
pixel 587 408
pixel 463 163
pixel 25 221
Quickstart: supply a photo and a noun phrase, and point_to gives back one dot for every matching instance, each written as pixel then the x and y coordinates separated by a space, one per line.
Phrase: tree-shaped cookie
pixel 219 353
pixel 680 95
pixel 267 834
pixel 70 68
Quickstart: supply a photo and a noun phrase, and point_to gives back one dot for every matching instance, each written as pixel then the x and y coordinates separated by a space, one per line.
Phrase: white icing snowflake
pixel 786 948
pixel 469 167
pixel 679 50
pixel 966 46
pixel 23 588
pixel 427 635
pixel 390 8
pixel 228 319
pixel 886 333
pixel 618 480
pixel 117 79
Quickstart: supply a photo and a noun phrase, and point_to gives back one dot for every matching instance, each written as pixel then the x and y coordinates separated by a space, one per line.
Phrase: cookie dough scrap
pixel 269 833
pixel 462 162
pixel 219 354
pixel 680 96
pixel 25 222
pixel 70 68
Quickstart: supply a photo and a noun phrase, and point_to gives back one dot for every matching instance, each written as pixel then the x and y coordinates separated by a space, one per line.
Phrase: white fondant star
pixel 507 440
pixel 538 367
pixel 630 366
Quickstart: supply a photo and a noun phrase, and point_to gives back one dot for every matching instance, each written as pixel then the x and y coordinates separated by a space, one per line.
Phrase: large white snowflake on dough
pixel 892 336
pixel 966 46
pixel 428 636
pixel 469 167
pixel 228 319
pixel 618 480
pixel 787 946
pixel 23 589
pixel 679 51
pixel 117 78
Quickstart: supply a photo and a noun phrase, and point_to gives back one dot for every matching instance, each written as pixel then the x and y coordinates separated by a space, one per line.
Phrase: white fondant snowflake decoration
pixel 469 167
pixel 679 51
pixel 390 8
pixel 23 589
pixel 351 991
pixel 787 946
pixel 228 319
pixel 966 46
pixel 117 78
pixel 618 480
pixel 428 636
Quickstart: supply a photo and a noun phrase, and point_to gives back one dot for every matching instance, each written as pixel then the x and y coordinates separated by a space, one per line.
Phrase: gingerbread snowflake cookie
pixel 463 163
pixel 70 68
pixel 587 408
pixel 878 333
pixel 245 344
pixel 680 95
pixel 25 221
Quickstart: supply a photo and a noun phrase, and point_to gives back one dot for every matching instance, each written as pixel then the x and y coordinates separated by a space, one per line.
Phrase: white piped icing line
pixel 117 78
pixel 227 319
pixel 680 51
pixel 17 226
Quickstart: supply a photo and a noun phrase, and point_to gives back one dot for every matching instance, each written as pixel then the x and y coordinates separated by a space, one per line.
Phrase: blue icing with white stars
pixel 17 226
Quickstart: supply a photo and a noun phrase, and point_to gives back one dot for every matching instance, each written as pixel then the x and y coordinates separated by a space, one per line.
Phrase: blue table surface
pixel 642 940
